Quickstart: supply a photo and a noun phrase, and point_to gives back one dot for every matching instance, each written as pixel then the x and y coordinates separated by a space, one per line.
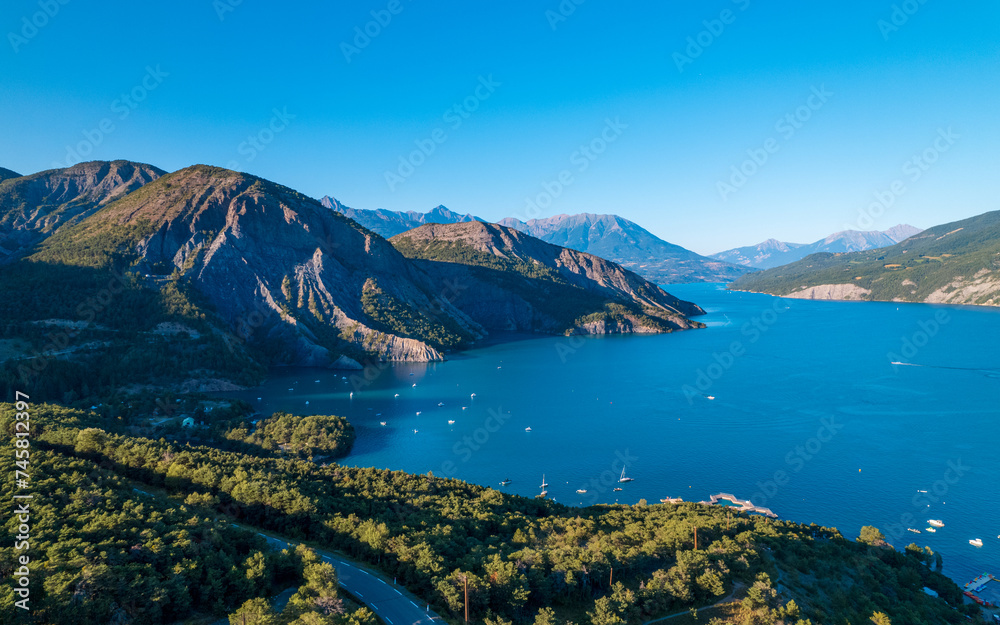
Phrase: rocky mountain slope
pixel 629 245
pixel 390 223
pixel 6 174
pixel 315 281
pixel 608 236
pixel 206 259
pixel 507 280
pixel 955 263
pixel 33 207
pixel 774 253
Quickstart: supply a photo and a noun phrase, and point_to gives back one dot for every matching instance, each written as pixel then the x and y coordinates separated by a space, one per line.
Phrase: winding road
pixel 392 604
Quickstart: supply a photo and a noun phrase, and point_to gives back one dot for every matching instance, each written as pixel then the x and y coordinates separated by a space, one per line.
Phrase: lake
pixel 810 416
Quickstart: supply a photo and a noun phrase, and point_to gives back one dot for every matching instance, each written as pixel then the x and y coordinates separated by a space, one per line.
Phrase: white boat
pixel 910 529
pixel 710 397
pixel 544 483
pixel 473 396
pixel 581 490
pixel 976 542
pixel 396 395
pixel 505 482
pixel 543 493
pixel 317 381
pixel 382 423
pixel 414 385
pixel 451 422
pixel 414 431
pixel 616 489
pixel 930 529
pixel 527 429
pixel 936 522
pixel 440 403
pixel 352 394
pixel 418 413
pixel 624 479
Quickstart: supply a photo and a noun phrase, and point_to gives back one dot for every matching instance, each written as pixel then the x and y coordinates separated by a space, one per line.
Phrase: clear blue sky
pixel 893 87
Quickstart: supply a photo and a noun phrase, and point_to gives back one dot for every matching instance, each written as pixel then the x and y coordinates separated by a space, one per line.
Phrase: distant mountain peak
pixel 773 253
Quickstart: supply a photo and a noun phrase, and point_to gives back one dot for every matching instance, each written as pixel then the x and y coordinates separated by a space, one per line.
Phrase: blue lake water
pixel 809 416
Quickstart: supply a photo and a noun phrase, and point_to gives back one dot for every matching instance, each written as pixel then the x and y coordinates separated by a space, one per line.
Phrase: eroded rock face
pixel 277 265
pixel 34 207
pixel 832 291
pixel 475 259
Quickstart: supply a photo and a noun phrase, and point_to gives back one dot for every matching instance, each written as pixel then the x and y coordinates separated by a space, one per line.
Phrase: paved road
pixel 389 602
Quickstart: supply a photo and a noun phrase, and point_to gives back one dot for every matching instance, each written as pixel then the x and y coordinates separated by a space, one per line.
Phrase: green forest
pixel 524 560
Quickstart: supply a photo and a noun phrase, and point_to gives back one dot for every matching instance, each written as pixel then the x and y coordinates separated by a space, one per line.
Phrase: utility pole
pixel 466 578
pixel 611 577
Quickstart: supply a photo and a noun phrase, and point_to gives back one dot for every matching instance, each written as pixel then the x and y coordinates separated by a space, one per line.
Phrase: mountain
pixel 628 244
pixel 773 253
pixel 608 236
pixel 320 285
pixel 6 174
pixel 955 263
pixel 214 273
pixel 33 207
pixel 390 223
pixel 506 280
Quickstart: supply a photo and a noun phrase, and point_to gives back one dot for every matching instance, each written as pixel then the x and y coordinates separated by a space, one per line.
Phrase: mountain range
pixel 608 236
pixel 954 263
pixel 228 261
pixel 774 253
pixel 390 223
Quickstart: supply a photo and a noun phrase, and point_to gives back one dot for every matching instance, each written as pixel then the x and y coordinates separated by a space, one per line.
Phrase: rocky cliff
pixel 33 207
pixel 507 280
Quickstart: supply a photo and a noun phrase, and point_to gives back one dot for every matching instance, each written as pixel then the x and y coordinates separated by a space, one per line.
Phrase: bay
pixel 794 404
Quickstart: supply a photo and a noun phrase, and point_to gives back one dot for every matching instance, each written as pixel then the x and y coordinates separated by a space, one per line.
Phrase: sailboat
pixel 623 478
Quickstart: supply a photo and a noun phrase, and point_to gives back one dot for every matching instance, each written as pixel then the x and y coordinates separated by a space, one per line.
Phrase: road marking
pixel 359 594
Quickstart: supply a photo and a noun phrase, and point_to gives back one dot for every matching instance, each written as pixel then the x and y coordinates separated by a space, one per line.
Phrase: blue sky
pixel 293 93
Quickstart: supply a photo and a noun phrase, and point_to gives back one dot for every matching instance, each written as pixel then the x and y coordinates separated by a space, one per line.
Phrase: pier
pixel 740 504
pixel 743 505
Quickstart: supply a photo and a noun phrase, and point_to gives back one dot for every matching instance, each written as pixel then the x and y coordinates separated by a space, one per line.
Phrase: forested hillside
pixel 604 565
